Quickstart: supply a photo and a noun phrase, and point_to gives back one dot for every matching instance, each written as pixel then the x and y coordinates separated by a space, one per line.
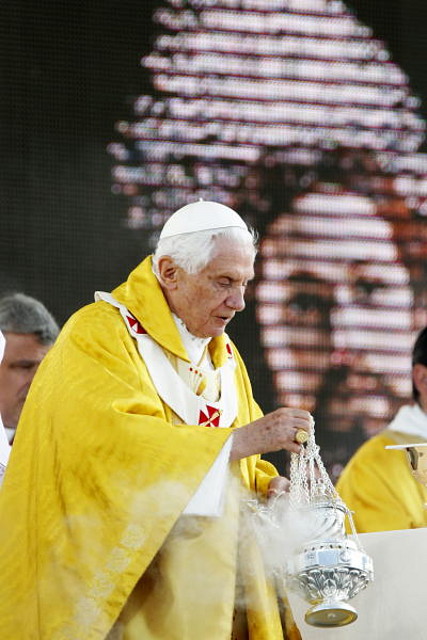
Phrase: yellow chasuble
pixel 378 486
pixel 92 539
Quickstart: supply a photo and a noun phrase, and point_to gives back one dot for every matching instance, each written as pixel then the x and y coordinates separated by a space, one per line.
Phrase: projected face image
pixel 332 286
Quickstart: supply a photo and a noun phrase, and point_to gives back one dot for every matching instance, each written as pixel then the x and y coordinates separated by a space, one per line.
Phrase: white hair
pixel 193 251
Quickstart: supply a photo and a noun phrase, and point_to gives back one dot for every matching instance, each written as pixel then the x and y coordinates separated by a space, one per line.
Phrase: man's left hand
pixel 278 485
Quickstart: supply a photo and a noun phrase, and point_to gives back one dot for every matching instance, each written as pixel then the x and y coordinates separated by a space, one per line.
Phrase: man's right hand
pixel 272 432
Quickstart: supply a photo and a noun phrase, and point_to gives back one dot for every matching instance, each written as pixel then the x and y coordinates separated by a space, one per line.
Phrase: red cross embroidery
pixel 135 325
pixel 210 420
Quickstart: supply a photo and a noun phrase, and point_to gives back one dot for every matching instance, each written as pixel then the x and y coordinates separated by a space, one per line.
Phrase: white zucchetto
pixel 201 216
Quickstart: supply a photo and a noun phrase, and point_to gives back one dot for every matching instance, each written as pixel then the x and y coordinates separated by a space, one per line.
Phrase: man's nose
pixel 236 299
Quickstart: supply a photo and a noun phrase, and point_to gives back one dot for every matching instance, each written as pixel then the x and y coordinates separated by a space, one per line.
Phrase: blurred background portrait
pixel 293 114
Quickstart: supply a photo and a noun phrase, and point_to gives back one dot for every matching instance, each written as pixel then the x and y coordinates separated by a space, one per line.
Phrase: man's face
pixel 22 356
pixel 334 296
pixel 208 300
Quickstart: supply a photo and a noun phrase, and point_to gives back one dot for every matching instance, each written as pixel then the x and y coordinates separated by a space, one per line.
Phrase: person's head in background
pixel 29 330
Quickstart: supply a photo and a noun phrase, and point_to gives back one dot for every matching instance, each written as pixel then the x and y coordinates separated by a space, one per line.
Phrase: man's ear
pixel 419 377
pixel 168 272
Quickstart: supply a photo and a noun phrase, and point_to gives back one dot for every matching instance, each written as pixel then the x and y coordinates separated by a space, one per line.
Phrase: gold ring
pixel 301 436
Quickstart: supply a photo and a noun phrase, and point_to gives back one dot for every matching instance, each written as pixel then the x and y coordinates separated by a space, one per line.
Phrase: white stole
pixel 188 406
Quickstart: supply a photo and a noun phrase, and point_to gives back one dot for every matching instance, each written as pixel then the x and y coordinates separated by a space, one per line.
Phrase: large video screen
pixel 294 114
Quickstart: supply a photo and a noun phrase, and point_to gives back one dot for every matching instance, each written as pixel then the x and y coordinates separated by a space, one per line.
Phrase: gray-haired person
pixel 29 330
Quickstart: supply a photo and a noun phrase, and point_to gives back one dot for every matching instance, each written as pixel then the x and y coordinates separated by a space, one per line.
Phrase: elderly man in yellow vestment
pixel 120 505
pixel 377 483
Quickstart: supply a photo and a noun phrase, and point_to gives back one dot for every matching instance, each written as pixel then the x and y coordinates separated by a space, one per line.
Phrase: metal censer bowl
pixel 329 569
